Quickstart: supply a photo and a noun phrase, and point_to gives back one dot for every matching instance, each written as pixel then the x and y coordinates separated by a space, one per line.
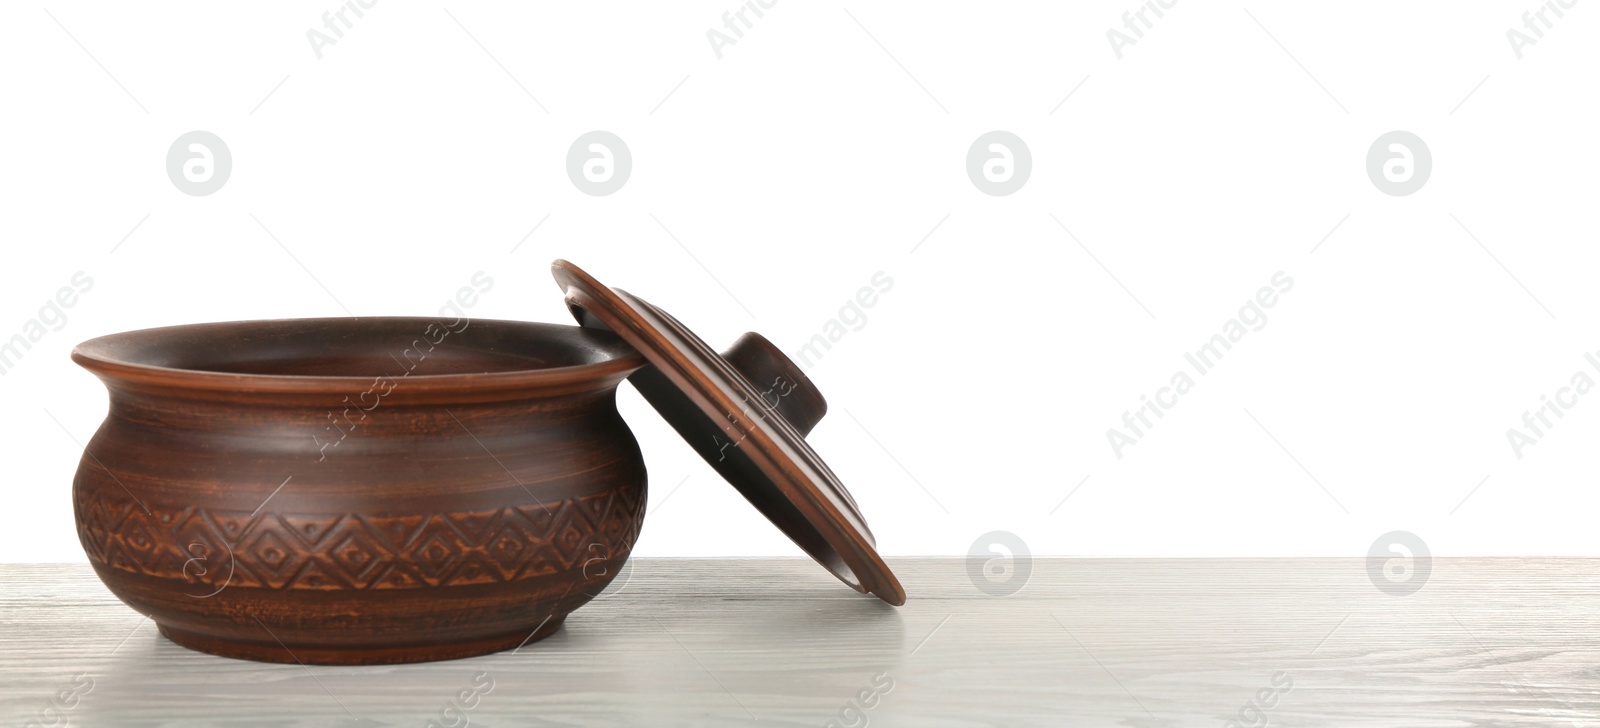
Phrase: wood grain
pixel 727 642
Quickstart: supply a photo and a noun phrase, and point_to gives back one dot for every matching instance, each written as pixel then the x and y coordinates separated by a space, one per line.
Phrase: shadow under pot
pixel 357 491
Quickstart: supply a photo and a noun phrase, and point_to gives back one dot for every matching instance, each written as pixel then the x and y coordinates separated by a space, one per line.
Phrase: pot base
pixel 346 655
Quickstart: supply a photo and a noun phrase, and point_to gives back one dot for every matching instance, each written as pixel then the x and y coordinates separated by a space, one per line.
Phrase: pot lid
pixel 746 411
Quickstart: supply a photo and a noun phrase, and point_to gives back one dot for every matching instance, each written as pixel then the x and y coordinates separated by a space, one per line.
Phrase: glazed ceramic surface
pixel 368 490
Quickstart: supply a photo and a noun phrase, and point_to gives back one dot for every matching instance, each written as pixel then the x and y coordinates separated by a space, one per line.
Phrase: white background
pixel 807 159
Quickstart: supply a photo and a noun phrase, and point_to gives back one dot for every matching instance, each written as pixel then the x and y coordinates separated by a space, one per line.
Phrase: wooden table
pixel 1137 642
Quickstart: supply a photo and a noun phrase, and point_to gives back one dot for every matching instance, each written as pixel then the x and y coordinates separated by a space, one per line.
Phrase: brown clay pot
pixel 353 491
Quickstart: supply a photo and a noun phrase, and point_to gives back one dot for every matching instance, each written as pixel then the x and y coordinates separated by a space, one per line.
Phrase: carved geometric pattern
pixel 209 549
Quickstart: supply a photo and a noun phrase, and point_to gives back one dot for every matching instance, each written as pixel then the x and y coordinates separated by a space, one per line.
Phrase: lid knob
pixel 780 381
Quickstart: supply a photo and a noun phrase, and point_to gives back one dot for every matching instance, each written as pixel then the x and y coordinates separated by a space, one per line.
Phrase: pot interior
pixel 357 347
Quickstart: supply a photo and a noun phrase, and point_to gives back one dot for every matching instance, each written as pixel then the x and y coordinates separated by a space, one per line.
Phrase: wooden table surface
pixel 1136 642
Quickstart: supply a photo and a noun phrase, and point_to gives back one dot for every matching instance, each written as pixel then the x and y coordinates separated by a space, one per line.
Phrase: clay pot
pixel 353 491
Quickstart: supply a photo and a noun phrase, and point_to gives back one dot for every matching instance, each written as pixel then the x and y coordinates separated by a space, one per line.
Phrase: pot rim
pixel 109 357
